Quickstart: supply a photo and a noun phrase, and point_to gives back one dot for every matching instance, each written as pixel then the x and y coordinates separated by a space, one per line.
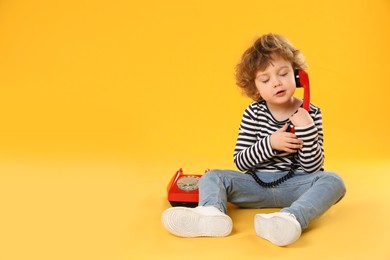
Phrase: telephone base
pixel 183 204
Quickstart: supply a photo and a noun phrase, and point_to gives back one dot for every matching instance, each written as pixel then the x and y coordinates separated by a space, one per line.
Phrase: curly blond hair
pixel 258 57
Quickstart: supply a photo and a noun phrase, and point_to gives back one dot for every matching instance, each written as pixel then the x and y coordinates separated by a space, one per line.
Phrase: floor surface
pixel 111 210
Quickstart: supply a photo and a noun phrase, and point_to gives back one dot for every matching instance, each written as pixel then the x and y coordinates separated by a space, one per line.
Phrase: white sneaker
pixel 201 221
pixel 280 228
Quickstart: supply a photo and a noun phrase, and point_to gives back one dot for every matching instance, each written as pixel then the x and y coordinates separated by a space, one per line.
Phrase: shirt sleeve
pixel 250 151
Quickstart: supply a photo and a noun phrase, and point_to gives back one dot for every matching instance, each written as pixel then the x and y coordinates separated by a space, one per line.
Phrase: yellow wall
pixel 153 80
pixel 102 101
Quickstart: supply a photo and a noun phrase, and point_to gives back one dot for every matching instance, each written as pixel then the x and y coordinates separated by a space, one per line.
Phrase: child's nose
pixel 277 83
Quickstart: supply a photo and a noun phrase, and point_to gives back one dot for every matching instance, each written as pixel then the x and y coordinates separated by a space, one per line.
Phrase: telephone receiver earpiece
pixel 302 81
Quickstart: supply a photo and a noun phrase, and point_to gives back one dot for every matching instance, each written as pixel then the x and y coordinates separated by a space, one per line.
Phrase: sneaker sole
pixel 185 222
pixel 277 229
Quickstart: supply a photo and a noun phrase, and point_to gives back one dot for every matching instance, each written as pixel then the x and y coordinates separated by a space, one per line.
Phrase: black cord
pixel 275 183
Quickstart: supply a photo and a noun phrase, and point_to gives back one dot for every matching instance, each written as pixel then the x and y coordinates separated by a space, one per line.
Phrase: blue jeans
pixel 307 196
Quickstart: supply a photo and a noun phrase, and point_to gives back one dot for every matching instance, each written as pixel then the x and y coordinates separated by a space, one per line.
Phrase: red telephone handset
pixel 302 81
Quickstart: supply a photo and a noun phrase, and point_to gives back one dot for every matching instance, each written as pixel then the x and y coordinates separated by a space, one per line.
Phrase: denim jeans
pixel 307 196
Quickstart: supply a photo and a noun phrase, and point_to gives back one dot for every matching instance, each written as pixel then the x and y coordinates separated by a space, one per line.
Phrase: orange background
pixel 103 101
pixel 155 80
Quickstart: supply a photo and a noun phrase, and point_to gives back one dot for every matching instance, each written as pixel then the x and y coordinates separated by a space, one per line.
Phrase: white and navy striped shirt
pixel 253 148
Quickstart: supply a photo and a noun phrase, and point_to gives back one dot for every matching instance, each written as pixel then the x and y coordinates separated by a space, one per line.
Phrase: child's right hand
pixel 282 140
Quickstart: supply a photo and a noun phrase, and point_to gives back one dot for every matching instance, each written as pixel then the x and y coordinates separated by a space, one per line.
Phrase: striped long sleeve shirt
pixel 253 148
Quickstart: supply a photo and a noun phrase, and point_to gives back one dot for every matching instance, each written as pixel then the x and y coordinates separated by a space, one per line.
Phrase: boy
pixel 283 169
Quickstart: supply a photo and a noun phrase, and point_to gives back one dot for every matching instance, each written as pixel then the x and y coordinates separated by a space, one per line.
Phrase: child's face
pixel 276 84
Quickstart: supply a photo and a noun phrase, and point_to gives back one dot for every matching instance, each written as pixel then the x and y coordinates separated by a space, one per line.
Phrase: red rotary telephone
pixel 183 189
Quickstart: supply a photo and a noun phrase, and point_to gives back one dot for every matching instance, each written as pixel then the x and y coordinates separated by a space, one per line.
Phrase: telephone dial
pixel 183 189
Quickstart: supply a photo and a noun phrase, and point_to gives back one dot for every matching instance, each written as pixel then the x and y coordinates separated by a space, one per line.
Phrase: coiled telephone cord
pixel 275 183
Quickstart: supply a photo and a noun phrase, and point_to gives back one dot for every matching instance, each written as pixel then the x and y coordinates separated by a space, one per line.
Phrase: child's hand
pixel 285 141
pixel 301 118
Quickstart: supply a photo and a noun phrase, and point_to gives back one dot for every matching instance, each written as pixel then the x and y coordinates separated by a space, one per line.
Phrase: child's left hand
pixel 301 118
